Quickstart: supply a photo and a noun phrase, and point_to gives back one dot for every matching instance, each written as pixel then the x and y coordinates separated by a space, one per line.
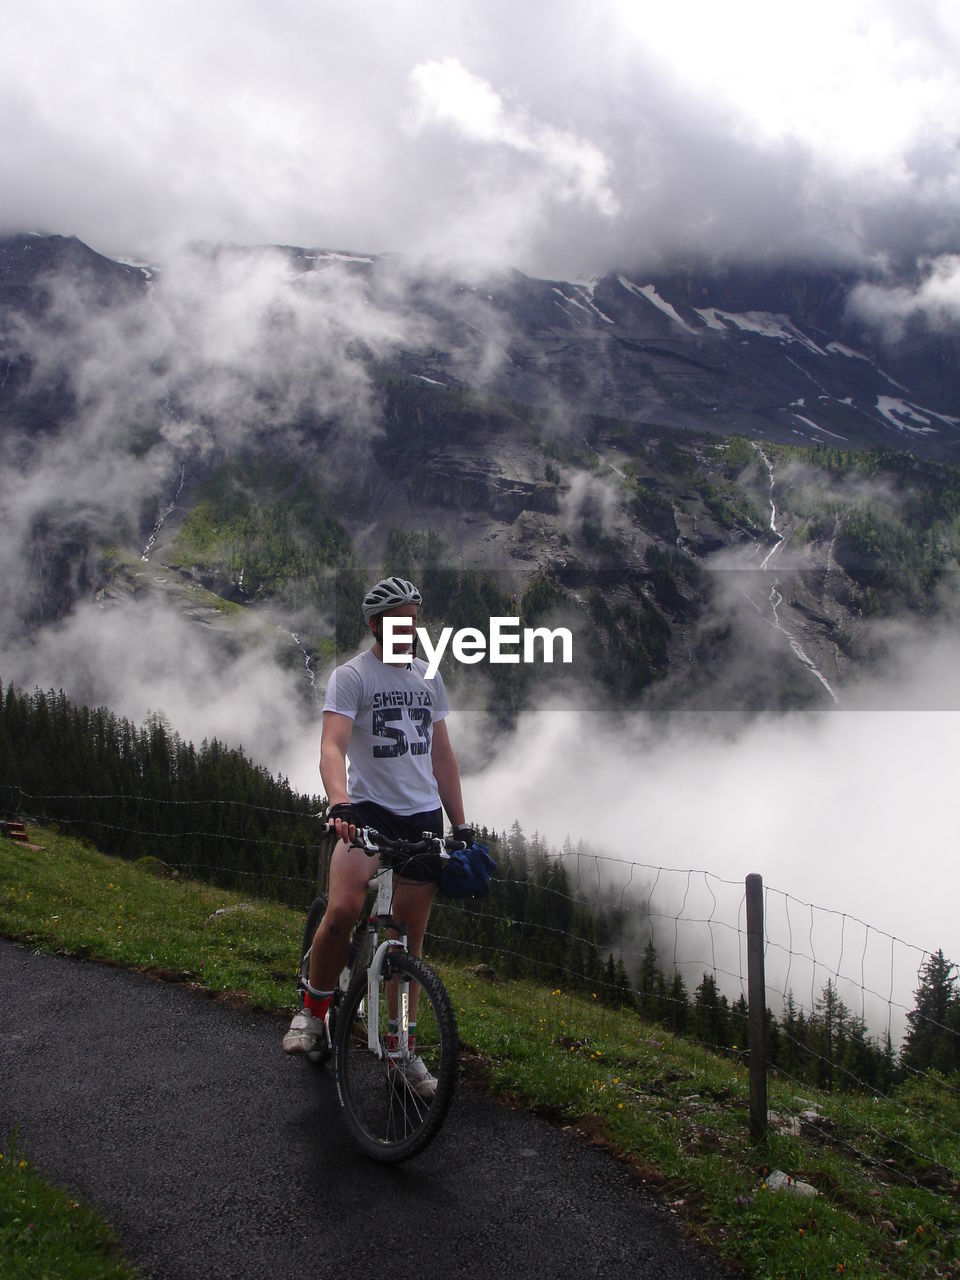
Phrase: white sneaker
pixel 304 1033
pixel 417 1078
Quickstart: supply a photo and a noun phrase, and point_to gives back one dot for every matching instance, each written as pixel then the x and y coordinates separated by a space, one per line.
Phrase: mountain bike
pixel 385 1114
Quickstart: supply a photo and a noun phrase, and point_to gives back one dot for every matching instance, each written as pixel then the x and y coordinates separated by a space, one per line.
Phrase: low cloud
pixel 209 681
pixel 805 489
pixel 848 810
pixel 935 298
pixel 590 500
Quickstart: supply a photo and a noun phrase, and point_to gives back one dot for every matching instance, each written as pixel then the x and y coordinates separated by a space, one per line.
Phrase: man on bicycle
pixel 401 769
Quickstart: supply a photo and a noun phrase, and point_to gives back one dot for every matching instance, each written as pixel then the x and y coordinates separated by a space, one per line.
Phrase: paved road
pixel 213 1155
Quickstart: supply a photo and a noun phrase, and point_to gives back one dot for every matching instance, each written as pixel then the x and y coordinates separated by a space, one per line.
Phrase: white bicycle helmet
pixel 388 594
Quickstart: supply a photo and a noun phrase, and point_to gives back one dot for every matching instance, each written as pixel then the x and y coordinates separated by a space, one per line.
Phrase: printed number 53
pixel 384 726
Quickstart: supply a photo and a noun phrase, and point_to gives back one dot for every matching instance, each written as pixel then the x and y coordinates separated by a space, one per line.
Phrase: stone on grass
pixel 780 1181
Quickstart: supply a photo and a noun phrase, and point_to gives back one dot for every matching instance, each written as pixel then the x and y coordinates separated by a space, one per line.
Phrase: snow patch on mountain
pixel 711 318
pixel 765 323
pixel 838 349
pixel 586 291
pixel 566 302
pixel 901 414
pixel 649 293
pixel 816 427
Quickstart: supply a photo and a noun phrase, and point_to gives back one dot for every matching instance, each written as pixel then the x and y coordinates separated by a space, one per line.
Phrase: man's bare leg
pixel 350 872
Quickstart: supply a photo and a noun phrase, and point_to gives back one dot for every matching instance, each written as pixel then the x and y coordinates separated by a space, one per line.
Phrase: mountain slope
pixel 701 476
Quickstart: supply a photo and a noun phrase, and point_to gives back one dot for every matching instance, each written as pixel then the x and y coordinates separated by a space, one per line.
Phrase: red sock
pixel 317 1004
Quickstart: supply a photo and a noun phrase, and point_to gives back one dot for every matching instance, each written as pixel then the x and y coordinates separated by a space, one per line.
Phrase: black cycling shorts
pixel 403 827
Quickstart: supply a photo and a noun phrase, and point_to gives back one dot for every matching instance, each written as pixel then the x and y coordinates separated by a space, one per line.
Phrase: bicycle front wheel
pixel 394 1104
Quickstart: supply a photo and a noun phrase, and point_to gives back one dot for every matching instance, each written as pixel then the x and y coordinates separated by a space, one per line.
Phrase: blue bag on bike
pixel 466 873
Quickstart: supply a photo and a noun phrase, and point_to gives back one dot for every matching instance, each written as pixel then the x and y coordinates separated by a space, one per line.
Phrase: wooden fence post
pixel 757 1010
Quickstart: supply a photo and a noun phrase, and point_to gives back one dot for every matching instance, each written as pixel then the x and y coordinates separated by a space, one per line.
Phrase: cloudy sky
pixel 561 138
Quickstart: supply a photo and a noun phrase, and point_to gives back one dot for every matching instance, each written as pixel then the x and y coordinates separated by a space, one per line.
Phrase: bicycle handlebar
pixel 373 842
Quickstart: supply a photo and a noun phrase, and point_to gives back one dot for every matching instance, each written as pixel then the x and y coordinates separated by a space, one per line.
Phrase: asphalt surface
pixel 214 1155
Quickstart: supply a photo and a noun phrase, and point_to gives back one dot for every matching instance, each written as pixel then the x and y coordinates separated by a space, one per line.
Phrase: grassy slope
pixel 676 1112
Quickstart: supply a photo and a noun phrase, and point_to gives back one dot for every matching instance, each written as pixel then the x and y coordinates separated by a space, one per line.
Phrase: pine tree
pixel 647 1002
pixel 711 1014
pixel 678 1007
pixel 933 1023
pixel 624 989
pixel 828 1032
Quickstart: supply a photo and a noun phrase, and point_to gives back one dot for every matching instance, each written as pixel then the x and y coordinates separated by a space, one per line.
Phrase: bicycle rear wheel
pixel 390 1113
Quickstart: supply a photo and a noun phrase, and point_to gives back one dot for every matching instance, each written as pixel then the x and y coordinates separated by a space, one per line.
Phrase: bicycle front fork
pixel 400 997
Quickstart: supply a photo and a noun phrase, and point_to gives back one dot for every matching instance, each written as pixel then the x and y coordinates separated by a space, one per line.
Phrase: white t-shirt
pixel 393 710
